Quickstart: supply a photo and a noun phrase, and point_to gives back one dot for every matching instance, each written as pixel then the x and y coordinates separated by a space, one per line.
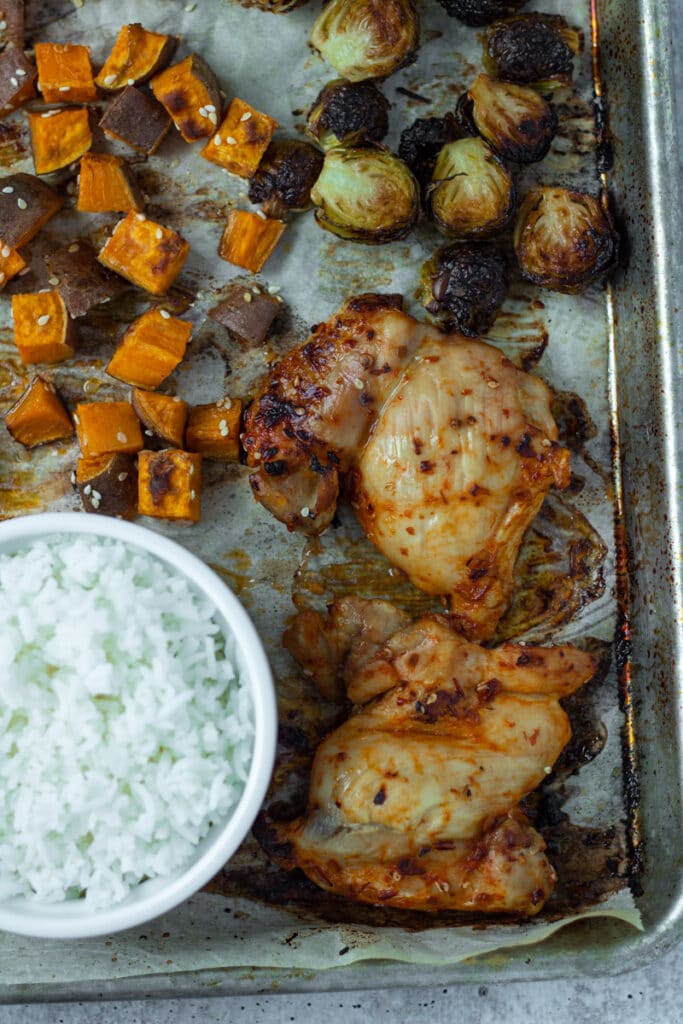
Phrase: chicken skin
pixel 444 447
pixel 413 801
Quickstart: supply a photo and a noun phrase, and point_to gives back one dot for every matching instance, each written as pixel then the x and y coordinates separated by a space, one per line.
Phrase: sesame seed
pixel 76 419
pixel 273 289
pixel 443 886
pixel 159 233
pixel 209 108
pixel 121 437
pixel 547 769
pixel 396 875
pixel 257 456
pixel 21 203
pixel 149 433
pixel 8 190
pixel 202 111
pixel 110 79
pixel 42 320
pixel 223 425
pixel 247 296
pixel 191 469
pixel 49 113
pixel 223 431
pixel 140 216
pixel 230 140
pixel 54 281
pixel 87 489
pixel 165 314
pixel 358 383
pixel 217 140
pixel 213 117
pixel 492 383
pixel 193 495
pixel 121 477
pixel 131 81
pixel 72 478
pixel 14 81
pixel 300 411
pixel 246 116
pixel 65 88
pixel 261 214
pixel 5 251
pixel 74 247
pixel 96 496
pixel 190 7
pixel 95 502
pixel 305 512
pixel 546 442
pixel 3 26
pixel 20 73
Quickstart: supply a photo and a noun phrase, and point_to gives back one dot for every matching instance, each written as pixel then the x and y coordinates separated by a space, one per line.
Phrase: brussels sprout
pixel 280 6
pixel 422 142
pixel 349 114
pixel 532 49
pixel 564 240
pixel 283 181
pixel 480 12
pixel 367 38
pixel 463 286
pixel 472 194
pixel 514 119
pixel 367 195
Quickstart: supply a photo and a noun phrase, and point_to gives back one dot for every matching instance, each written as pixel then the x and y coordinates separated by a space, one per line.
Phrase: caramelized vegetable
pixel 136 119
pixel 150 349
pixel 107 185
pixel 532 49
pixel 480 12
pixel 12 32
pixel 17 79
pixel 137 55
pixel 463 286
pixel 564 240
pixel 145 253
pixel 367 38
pixel 163 418
pixel 349 114
pixel 249 240
pixel 191 94
pixel 284 178
pixel 80 279
pixel 169 485
pixel 280 6
pixel 247 312
pixel 422 142
pixel 58 137
pixel 39 416
pixel 43 330
pixel 213 430
pixel 106 427
pixel 11 262
pixel 108 484
pixel 472 193
pixel 241 139
pixel 514 119
pixel 26 205
pixel 64 73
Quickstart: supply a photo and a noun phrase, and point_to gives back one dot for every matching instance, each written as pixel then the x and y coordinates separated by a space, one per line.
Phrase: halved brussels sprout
pixel 283 181
pixel 514 119
pixel 367 38
pixel 480 12
pixel 280 6
pixel 349 114
pixel 532 49
pixel 422 142
pixel 564 240
pixel 367 195
pixel 463 286
pixel 472 194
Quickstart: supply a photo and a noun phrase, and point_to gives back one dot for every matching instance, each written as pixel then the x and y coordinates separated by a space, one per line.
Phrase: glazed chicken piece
pixel 446 450
pixel 413 800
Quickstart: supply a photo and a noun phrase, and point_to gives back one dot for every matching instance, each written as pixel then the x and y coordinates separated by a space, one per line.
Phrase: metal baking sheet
pixel 615 349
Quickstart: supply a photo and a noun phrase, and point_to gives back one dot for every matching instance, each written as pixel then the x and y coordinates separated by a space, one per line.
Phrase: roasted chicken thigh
pixel 445 449
pixel 413 801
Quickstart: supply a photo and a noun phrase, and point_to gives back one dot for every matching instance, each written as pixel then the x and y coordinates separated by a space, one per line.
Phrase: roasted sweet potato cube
pixel 247 312
pixel 39 416
pixel 241 140
pixel 17 79
pixel 43 330
pixel 169 485
pixel 150 349
pixel 145 253
pixel 105 427
pixel 107 185
pixel 136 119
pixel 163 418
pixel 248 239
pixel 59 139
pixel 26 205
pixel 11 262
pixel 191 94
pixel 65 73
pixel 108 484
pixel 80 279
pixel 213 430
pixel 12 31
pixel 136 56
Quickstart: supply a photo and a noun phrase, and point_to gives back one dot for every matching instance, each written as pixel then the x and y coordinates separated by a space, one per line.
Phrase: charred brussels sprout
pixel 564 240
pixel 280 6
pixel 532 49
pixel 349 114
pixel 367 195
pixel 284 178
pixel 472 194
pixel 514 119
pixel 463 286
pixel 422 142
pixel 367 38
pixel 480 12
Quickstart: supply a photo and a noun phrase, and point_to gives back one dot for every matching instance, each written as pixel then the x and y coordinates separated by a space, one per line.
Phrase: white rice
pixel 125 731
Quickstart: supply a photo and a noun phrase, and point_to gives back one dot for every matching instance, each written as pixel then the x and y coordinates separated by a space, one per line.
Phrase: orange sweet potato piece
pixel 192 96
pixel 163 418
pixel 107 185
pixel 169 484
pixel 59 139
pixel 145 253
pixel 65 73
pixel 17 79
pixel 105 427
pixel 241 140
pixel 11 262
pixel 213 430
pixel 43 330
pixel 136 56
pixel 26 205
pixel 150 349
pixel 108 484
pixel 39 416
pixel 248 239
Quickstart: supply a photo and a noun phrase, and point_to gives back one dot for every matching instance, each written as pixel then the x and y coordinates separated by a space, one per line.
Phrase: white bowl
pixel 73 918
